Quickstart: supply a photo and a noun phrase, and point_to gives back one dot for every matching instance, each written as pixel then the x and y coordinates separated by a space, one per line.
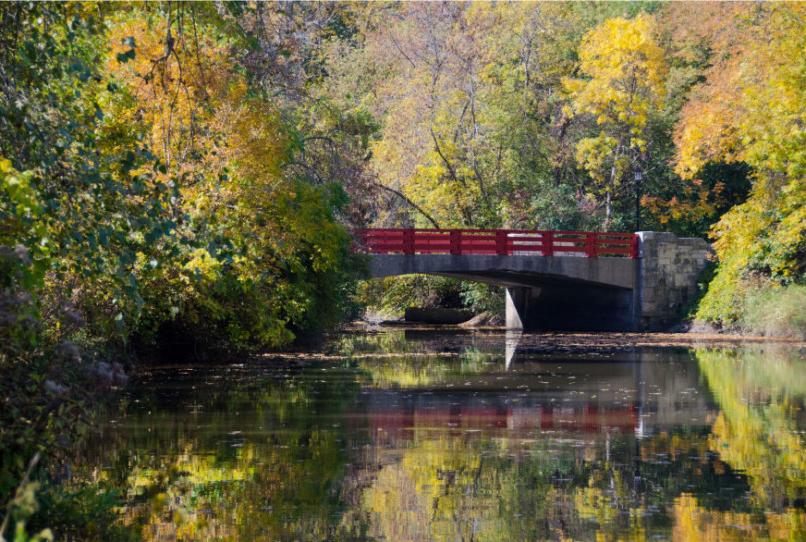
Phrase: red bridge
pixel 499 242
pixel 554 280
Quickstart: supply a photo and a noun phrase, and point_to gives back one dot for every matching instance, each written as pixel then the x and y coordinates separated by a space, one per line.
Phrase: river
pixel 426 435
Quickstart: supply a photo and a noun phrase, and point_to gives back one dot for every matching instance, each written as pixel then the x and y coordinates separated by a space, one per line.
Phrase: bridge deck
pixel 514 270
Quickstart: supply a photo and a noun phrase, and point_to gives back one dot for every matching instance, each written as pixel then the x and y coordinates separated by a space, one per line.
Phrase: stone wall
pixel 669 268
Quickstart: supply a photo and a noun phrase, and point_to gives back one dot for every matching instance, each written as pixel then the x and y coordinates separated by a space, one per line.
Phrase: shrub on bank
pixel 776 311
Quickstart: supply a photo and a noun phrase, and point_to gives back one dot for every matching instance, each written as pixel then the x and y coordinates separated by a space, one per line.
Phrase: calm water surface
pixel 403 435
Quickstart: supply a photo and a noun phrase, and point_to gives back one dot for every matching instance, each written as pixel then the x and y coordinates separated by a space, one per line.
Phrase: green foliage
pixel 395 294
pixel 90 512
pixel 21 534
pixel 222 297
pixel 185 172
pixel 750 109
pixel 145 183
pixel 481 297
pixel 23 259
pixel 135 238
pixel 776 311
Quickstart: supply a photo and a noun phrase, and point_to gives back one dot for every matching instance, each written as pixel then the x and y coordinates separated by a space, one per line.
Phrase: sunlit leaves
pixel 246 227
pixel 750 109
pixel 625 73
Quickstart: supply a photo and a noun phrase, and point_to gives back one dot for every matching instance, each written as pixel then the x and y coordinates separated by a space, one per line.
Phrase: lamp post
pixel 638 178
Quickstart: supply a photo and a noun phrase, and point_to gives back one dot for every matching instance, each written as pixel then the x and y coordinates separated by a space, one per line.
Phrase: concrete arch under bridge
pixel 556 281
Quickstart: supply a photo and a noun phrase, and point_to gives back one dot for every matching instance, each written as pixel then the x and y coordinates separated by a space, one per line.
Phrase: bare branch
pixel 402 196
pixel 451 171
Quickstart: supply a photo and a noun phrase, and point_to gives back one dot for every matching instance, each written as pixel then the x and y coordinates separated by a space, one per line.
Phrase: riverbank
pixel 424 341
pixel 593 338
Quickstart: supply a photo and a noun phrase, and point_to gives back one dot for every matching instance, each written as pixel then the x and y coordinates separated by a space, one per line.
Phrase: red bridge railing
pixel 498 242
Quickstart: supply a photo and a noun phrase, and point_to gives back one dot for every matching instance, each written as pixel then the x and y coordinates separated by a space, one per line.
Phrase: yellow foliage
pixel 203 266
pixel 194 108
pixel 756 430
pixel 694 523
pixel 171 99
pixel 625 72
pixel 752 109
pixel 752 106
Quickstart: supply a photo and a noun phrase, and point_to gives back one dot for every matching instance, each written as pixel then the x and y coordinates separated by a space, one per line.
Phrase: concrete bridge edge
pixel 666 277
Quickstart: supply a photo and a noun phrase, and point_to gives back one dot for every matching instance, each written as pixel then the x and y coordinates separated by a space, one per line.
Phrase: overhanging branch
pixel 402 196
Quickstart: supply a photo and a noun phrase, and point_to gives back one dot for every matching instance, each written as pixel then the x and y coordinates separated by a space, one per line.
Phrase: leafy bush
pixel 480 297
pixel 393 295
pixel 90 512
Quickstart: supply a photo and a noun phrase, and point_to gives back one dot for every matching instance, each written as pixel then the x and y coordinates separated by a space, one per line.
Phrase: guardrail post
pixel 408 241
pixel 547 239
pixel 501 243
pixel 590 242
pixel 456 241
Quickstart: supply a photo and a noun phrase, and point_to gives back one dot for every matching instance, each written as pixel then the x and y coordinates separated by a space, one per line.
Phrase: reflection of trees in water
pixel 196 476
pixel 759 431
pixel 410 371
pixel 761 396
pixel 695 523
pixel 678 482
pixel 482 487
pixel 308 452
pixel 458 342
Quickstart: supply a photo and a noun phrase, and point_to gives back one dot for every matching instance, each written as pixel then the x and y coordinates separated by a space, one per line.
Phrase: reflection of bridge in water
pixel 640 392
pixel 584 418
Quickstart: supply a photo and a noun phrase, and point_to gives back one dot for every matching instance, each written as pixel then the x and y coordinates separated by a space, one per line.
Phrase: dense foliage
pixel 751 110
pixel 185 176
pixel 590 116
pixel 148 199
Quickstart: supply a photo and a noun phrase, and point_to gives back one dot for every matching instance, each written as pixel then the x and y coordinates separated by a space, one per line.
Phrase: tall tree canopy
pixel 750 109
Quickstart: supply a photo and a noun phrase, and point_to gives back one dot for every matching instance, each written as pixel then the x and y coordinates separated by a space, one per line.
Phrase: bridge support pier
pixel 516 300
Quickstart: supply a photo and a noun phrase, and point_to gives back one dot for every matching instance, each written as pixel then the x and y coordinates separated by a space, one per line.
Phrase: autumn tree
pixel 625 71
pixel 468 103
pixel 247 225
pixel 749 111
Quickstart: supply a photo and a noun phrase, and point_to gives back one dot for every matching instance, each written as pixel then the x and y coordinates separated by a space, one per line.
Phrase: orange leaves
pixel 707 129
pixel 175 85
pixel 691 206
pixel 193 108
pixel 751 106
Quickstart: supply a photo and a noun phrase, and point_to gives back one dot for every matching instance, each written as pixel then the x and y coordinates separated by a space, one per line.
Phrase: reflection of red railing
pixel 500 242
pixel 586 418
